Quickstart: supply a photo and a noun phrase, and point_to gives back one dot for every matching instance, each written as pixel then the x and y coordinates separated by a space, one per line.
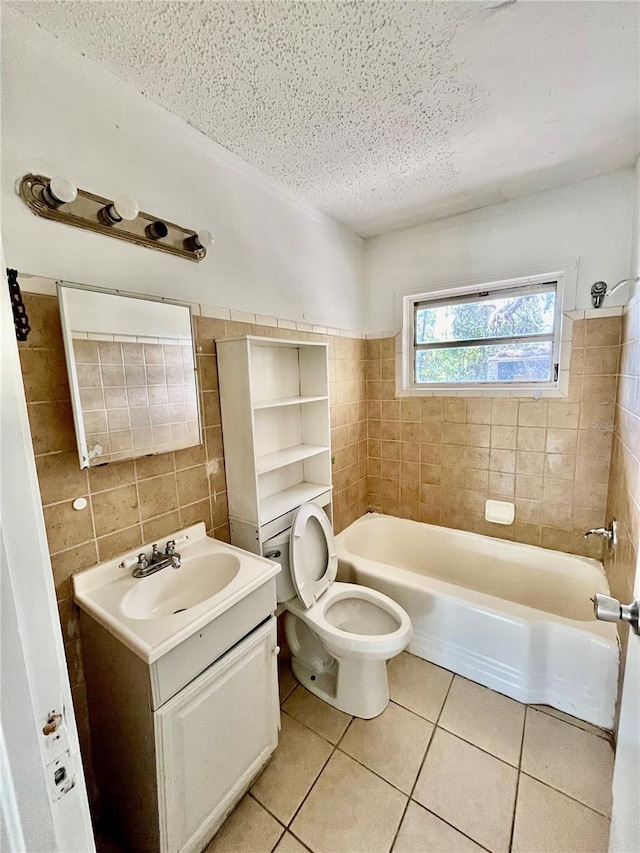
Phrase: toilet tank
pixel 277 549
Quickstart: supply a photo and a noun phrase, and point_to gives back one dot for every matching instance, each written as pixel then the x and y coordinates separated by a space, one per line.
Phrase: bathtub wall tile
pixel 538 453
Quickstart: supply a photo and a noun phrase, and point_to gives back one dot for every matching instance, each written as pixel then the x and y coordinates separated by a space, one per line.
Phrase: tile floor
pixel 449 767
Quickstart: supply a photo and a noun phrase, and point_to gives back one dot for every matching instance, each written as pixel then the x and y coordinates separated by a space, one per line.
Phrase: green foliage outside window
pixel 506 360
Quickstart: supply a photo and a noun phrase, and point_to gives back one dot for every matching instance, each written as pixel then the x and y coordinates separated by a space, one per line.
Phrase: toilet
pixel 341 635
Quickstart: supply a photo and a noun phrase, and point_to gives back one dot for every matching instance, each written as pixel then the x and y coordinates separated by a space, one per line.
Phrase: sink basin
pixel 155 614
pixel 172 591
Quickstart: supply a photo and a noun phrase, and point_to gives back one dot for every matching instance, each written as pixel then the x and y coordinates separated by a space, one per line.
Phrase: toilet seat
pixel 313 557
pixel 359 645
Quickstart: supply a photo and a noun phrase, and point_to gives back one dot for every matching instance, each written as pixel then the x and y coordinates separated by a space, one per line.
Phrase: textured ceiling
pixel 384 114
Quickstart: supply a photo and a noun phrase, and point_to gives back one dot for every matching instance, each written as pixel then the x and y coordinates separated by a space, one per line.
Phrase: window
pixel 503 335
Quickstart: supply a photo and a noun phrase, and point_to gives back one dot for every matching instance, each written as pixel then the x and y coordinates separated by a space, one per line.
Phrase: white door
pixel 625 815
pixel 213 737
pixel 43 798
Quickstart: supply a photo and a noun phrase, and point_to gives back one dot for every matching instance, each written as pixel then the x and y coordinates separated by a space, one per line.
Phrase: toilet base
pixel 357 687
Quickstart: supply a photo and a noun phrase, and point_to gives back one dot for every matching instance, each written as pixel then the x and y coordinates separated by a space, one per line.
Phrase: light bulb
pixel 202 240
pixel 205 238
pixel 59 191
pixel 126 207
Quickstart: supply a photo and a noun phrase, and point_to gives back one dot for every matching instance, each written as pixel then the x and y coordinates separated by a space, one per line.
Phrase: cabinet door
pixel 213 737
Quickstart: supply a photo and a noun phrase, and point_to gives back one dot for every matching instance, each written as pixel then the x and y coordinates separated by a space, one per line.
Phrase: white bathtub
pixel 513 617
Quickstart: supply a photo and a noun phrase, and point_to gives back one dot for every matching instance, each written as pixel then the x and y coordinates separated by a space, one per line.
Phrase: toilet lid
pixel 312 553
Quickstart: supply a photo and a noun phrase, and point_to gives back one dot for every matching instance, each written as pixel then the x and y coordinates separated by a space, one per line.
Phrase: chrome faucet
pixel 609 533
pixel 145 567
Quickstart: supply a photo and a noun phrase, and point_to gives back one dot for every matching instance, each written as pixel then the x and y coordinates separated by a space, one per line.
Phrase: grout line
pixel 475 745
pixel 424 758
pixel 298 840
pixel 312 786
pixel 262 806
pixel 515 800
pixel 604 734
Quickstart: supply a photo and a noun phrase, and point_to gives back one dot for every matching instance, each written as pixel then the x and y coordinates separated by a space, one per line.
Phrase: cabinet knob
pixel 276 650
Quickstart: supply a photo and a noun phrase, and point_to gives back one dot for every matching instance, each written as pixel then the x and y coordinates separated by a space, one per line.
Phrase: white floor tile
pixel 392 745
pixel 248 828
pixel 469 789
pixel 295 765
pixel 418 685
pixel 565 757
pixel 485 718
pixel 319 716
pixel 349 810
pixel 549 822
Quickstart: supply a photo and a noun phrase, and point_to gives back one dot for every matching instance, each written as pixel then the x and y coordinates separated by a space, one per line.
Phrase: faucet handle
pixel 143 563
pixel 609 533
pixel 171 547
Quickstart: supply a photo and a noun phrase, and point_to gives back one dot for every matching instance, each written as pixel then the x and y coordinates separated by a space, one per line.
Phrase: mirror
pixel 132 374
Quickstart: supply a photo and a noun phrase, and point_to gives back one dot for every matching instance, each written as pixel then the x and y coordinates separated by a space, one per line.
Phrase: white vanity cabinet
pixel 171 770
pixel 213 737
pixel 274 397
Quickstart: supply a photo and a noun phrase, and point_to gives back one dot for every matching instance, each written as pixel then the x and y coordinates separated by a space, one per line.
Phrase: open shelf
pixel 279 458
pixel 288 499
pixel 276 423
pixel 286 401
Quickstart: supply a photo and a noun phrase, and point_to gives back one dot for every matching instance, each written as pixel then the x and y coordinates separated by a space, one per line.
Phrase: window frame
pixel 451 294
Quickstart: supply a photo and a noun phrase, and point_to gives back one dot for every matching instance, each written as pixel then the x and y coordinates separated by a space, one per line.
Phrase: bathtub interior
pixel 551 581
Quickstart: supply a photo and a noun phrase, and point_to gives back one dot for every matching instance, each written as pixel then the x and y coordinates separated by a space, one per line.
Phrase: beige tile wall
pixel 131 502
pixel 624 480
pixel 437 459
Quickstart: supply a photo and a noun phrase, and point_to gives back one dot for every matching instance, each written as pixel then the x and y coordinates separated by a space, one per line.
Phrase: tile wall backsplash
pixel 136 397
pixel 437 459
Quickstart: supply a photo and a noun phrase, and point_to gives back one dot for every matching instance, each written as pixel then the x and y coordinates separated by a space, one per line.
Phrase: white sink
pixel 171 591
pixel 154 614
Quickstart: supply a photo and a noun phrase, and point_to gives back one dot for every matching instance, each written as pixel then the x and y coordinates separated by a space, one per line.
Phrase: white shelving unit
pixel 274 396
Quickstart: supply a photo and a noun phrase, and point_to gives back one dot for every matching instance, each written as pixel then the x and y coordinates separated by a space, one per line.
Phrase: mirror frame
pixel 83 451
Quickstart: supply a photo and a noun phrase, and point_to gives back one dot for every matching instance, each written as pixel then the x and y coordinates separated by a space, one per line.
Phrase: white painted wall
pixel 590 222
pixel 61 114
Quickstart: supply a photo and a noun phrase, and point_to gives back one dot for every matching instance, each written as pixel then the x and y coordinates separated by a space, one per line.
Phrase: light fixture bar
pixel 85 211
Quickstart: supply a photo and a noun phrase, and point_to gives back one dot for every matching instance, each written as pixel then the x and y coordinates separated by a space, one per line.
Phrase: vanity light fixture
pixel 59 191
pixel 120 217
